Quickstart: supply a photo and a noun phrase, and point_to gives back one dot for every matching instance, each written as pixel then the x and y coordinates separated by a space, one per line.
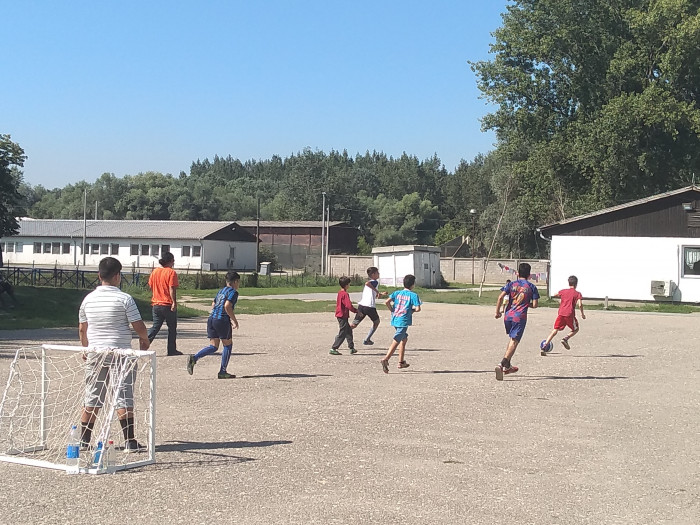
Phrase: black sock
pixel 127 425
pixel 86 432
pixel 505 363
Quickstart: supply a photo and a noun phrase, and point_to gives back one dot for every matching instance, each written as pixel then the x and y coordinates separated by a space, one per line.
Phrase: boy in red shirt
pixel 343 307
pixel 570 299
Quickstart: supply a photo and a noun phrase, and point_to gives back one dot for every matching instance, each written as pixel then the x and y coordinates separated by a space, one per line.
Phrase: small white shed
pixel 395 262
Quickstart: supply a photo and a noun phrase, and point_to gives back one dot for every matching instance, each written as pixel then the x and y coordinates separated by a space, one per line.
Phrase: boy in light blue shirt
pixel 402 304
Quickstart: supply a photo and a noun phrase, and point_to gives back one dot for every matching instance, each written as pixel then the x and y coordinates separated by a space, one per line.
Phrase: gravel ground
pixel 607 432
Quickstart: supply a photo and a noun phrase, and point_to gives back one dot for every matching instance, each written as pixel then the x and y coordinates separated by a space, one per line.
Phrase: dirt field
pixel 607 432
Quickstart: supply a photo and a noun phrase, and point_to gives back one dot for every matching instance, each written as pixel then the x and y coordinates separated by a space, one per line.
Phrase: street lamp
pixel 472 212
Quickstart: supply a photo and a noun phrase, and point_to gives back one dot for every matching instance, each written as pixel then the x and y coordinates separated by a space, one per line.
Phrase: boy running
pixel 570 299
pixel 522 294
pixel 220 326
pixel 402 304
pixel 343 307
pixel 367 307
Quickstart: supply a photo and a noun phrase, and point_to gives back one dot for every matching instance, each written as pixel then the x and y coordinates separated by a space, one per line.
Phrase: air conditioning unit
pixel 661 288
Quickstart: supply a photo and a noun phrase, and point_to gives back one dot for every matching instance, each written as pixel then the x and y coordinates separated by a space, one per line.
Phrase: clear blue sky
pixel 128 87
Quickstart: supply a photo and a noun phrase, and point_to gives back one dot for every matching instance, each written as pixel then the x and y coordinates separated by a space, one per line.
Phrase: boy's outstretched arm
pixel 498 304
pixel 389 304
pixel 580 305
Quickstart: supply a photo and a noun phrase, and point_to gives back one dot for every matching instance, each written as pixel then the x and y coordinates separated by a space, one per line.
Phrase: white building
pixel 395 262
pixel 205 245
pixel 645 250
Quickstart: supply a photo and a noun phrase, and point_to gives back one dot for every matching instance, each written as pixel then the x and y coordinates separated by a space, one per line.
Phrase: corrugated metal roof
pixel 623 206
pixel 289 224
pixel 121 229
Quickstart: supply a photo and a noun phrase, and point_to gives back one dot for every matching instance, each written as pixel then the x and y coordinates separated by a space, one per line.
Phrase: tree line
pixel 596 104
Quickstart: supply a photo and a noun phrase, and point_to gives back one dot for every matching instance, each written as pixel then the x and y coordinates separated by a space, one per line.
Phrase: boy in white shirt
pixel 367 307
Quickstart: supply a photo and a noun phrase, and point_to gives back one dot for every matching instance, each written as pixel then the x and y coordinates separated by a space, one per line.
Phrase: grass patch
pixel 283 306
pixel 255 292
pixel 58 307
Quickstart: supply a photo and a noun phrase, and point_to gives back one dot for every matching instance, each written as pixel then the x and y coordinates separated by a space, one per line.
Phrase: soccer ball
pixel 547 348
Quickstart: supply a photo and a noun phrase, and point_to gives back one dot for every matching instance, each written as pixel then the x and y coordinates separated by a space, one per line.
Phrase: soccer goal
pixel 47 390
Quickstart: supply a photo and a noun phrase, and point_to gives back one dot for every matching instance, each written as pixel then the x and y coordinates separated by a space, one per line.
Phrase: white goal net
pixel 48 390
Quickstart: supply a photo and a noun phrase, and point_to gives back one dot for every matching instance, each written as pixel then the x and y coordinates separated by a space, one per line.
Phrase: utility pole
pixel 257 239
pixel 328 234
pixel 323 233
pixel 84 222
pixel 472 212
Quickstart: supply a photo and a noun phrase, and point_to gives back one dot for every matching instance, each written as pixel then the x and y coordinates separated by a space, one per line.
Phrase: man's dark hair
pixel 371 270
pixel 232 276
pixel 524 270
pixel 573 281
pixel 344 281
pixel 167 258
pixel 409 280
pixel 108 268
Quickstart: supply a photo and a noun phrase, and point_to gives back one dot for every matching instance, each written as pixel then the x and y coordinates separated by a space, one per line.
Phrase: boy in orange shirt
pixel 163 282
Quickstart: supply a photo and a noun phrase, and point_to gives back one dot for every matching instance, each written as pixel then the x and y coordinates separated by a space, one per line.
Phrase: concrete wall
pixel 623 267
pixel 497 271
pixel 350 265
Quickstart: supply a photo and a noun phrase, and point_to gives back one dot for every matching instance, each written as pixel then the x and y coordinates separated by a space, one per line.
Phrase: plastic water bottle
pixel 73 451
pixel 98 455
pixel 110 453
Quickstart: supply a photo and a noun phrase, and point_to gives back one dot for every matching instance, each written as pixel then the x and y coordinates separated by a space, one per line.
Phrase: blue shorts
pixel 515 329
pixel 401 333
pixel 219 328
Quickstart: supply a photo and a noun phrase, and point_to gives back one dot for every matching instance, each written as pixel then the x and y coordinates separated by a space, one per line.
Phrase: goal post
pixel 47 390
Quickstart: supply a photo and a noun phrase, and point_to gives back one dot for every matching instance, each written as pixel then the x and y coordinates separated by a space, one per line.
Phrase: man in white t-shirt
pixel 105 316
pixel 367 306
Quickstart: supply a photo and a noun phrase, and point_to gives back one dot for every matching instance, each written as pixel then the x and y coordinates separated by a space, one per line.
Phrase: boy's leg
pixel 171 321
pixel 402 352
pixel 158 320
pixel 349 336
pixel 225 357
pixel 574 330
pixel 338 338
pixel 368 339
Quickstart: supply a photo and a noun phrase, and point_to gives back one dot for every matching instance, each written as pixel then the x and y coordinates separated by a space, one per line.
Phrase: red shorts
pixel 563 321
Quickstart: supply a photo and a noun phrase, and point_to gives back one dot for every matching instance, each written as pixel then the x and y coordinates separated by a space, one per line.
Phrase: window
pixel 114 249
pixel 185 251
pixel 47 247
pixel 155 250
pixel 9 247
pixel 104 249
pixel 165 248
pixel 37 247
pixel 134 249
pixel 55 247
pixel 196 251
pixel 691 260
pixel 145 249
pixel 66 247
pixel 95 249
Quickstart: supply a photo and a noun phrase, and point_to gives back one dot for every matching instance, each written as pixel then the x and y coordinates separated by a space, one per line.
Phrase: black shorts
pixel 219 328
pixel 366 311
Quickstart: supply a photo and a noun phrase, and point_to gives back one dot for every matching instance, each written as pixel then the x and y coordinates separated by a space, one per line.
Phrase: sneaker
pixel 403 364
pixel 542 352
pixel 133 446
pixel 334 352
pixel 368 342
pixel 190 365
pixel 511 370
pixel 225 375
pixel 353 351
pixel 175 352
pixel 385 366
pixel 565 344
pixel 499 373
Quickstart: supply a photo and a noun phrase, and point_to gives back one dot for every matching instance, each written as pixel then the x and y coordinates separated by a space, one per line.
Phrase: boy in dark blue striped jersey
pixel 220 325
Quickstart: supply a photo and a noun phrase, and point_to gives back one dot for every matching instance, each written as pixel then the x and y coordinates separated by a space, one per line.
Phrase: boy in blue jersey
pixel 522 294
pixel 220 326
pixel 402 304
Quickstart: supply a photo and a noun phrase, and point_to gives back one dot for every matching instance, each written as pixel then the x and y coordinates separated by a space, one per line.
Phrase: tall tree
pixel 11 156
pixel 597 102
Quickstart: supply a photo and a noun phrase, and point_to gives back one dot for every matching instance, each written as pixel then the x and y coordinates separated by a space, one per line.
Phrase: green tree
pixel 597 102
pixel 11 156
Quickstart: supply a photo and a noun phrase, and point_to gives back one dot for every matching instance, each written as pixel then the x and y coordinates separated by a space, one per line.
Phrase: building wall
pixel 217 255
pixel 622 267
pixel 23 253
pixel 350 265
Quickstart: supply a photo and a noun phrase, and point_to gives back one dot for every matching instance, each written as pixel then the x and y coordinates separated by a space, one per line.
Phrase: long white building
pixel 205 245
